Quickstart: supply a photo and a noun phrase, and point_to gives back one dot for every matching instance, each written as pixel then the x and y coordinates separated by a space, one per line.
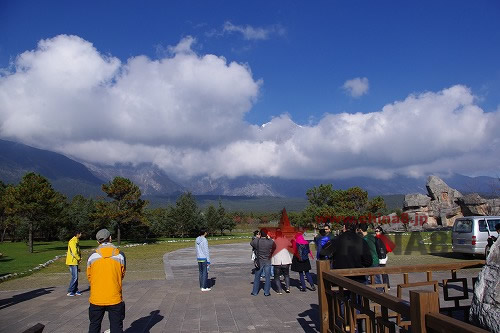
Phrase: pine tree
pixel 34 201
pixel 127 206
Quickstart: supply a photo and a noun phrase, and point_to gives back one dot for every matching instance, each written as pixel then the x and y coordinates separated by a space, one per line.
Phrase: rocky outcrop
pixel 444 204
pixel 473 204
pixel 494 206
pixel 439 191
pixel 416 201
pixel 485 306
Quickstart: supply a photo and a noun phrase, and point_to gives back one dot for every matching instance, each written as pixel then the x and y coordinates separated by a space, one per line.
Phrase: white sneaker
pixel 206 289
pixel 107 331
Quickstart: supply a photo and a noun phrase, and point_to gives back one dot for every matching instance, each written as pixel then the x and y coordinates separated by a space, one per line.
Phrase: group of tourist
pixel 353 248
pixel 278 256
pixel 356 248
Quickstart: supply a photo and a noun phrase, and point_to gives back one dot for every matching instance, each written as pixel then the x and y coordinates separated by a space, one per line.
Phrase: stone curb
pixel 34 269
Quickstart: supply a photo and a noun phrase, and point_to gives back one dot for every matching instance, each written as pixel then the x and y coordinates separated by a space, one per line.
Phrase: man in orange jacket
pixel 105 271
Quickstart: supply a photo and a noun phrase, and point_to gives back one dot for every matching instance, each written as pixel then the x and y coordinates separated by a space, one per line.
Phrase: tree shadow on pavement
pixel 144 324
pixel 5 303
pixel 309 319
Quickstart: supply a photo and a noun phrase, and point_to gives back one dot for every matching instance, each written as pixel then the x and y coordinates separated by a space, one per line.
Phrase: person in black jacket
pixel 349 250
pixel 382 254
pixel 264 248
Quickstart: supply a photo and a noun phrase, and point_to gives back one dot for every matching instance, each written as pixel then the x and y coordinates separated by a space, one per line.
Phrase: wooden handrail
pixel 441 323
pixel 422 303
pixel 409 269
pixel 424 310
pixel 386 300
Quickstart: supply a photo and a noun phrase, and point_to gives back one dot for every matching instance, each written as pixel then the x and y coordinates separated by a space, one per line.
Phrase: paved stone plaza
pixel 175 304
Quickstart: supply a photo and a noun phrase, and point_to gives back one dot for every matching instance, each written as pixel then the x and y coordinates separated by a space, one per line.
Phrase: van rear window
pixel 492 224
pixel 482 226
pixel 462 226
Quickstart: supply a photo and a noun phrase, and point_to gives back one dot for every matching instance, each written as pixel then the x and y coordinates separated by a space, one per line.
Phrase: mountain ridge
pixel 72 177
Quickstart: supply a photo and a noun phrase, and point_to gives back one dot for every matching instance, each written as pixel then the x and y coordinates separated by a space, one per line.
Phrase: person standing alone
pixel 105 271
pixel 73 258
pixel 203 257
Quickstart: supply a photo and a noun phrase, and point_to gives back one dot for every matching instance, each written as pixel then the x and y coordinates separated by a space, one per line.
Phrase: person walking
pixel 382 249
pixel 281 261
pixel 300 261
pixel 203 258
pixel 105 271
pixel 73 258
pixel 263 245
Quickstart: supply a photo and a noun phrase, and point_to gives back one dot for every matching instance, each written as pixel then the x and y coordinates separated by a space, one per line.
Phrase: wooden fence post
pixel 421 303
pixel 322 266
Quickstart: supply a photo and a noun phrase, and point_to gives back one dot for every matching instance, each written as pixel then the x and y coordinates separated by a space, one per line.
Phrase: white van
pixel 470 233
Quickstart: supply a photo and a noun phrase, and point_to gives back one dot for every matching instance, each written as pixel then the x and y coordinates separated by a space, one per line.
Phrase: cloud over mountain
pixel 185 113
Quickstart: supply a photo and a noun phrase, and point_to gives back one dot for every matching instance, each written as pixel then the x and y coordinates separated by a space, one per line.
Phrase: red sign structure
pixel 286 228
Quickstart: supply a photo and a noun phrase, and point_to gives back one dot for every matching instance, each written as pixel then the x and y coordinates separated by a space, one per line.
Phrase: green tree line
pixel 34 209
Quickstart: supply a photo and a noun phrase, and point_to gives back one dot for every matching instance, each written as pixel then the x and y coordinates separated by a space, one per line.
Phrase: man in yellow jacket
pixel 105 270
pixel 73 258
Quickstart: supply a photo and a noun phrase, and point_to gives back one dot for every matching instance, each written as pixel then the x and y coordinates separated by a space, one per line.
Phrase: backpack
pixel 323 241
pixel 303 251
pixel 381 250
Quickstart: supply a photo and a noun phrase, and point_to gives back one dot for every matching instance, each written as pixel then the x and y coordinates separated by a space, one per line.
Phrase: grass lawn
pixel 16 257
pixel 143 262
pixel 146 262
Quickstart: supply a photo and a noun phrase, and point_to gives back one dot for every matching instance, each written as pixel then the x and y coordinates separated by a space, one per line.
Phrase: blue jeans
pixel 378 279
pixel 272 272
pixel 385 277
pixel 73 283
pixel 256 281
pixel 202 266
pixel 309 279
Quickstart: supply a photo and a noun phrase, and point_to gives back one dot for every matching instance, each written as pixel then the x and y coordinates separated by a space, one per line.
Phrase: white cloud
pixel 66 90
pixel 356 87
pixel 254 33
pixel 185 113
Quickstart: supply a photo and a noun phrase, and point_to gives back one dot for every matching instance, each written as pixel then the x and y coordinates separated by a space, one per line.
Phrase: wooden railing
pixel 346 304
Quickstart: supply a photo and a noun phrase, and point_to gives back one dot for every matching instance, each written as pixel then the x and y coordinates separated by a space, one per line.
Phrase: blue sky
pixel 347 88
